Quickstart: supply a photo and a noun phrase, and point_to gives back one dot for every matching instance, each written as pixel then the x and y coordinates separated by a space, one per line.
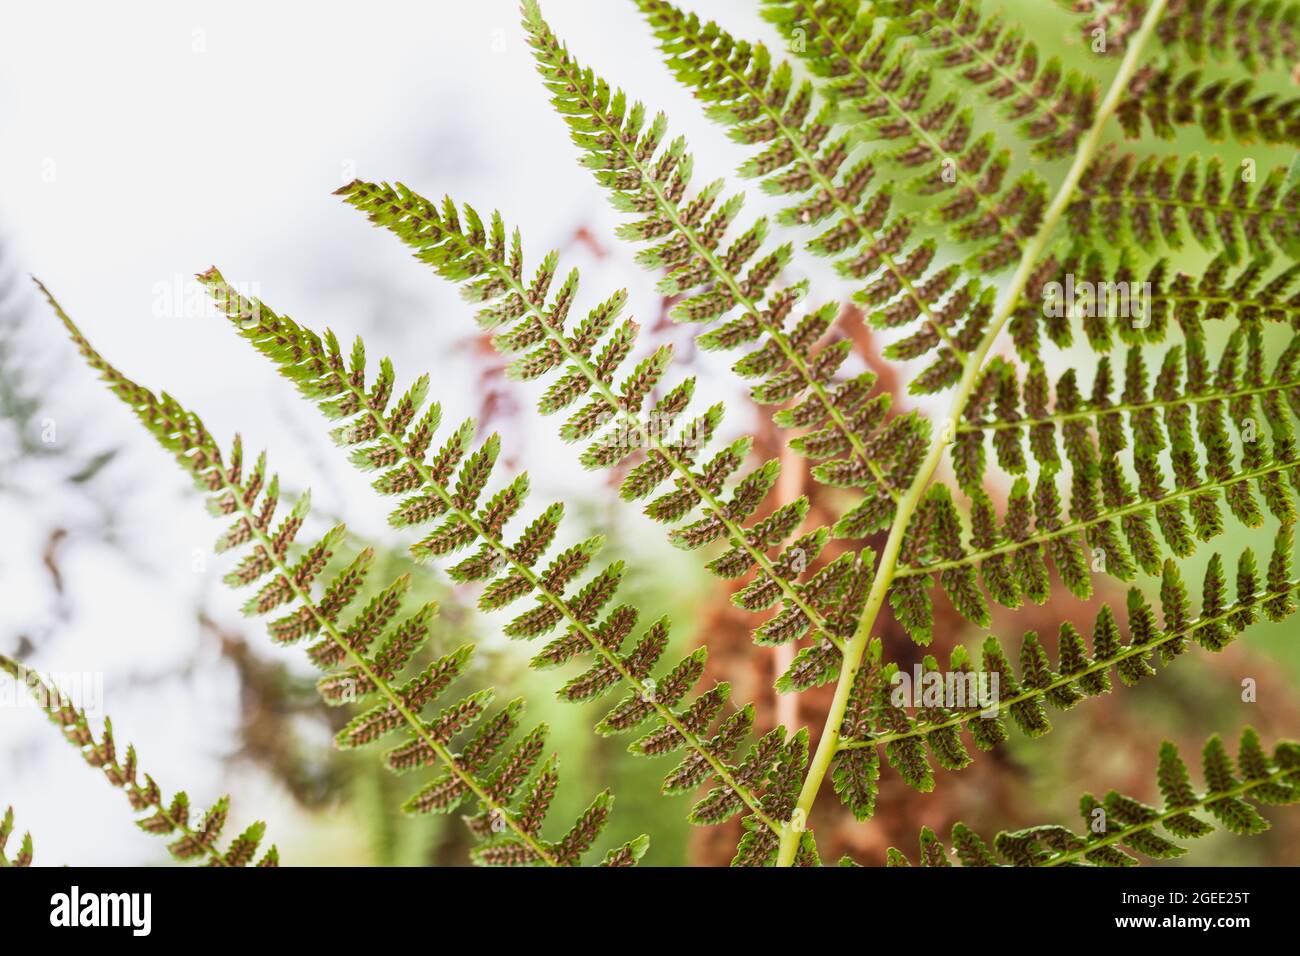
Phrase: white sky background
pixel 144 142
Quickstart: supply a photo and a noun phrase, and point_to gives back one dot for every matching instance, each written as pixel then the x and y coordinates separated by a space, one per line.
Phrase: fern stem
pixel 853 653
pixel 1064 680
pixel 1152 405
pixel 911 571
pixel 469 518
pixel 377 680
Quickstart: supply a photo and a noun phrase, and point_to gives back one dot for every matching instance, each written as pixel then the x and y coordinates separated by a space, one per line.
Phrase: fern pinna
pixel 1118 819
pixel 508 823
pixel 874 722
pixel 196 838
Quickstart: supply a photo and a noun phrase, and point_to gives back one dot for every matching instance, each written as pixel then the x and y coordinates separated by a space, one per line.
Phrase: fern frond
pixel 1150 202
pixel 878 721
pixel 511 833
pixel 1255 34
pixel 1168 98
pixel 1111 526
pixel 395 436
pixel 195 839
pixel 24 857
pixel 620 423
pixel 1118 821
pixel 882 85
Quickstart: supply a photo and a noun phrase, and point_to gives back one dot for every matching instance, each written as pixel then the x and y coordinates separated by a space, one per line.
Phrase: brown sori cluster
pixel 1167 99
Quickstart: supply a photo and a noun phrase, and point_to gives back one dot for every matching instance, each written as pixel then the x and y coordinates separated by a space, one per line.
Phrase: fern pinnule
pixel 380 438
pixel 1253 293
pixel 510 834
pixel 195 839
pixel 877 722
pixel 1257 35
pixel 24 855
pixel 1231 797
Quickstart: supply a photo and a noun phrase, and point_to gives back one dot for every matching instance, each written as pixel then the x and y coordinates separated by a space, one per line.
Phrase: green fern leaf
pixel 1153 202
pixel 510 835
pixel 192 838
